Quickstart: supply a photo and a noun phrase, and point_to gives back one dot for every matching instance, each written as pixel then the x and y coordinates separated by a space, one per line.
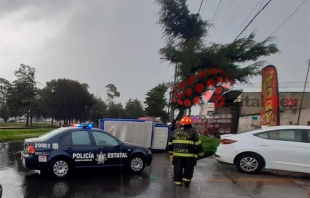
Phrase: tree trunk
pixel 180 115
pixel 52 121
pixel 27 117
pixel 31 116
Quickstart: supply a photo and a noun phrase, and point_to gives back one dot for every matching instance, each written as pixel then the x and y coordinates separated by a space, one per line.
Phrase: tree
pixel 4 112
pixel 4 109
pixel 22 93
pixel 185 34
pixel 4 87
pixel 116 111
pixel 112 93
pixel 66 100
pixel 156 101
pixel 134 109
pixel 99 110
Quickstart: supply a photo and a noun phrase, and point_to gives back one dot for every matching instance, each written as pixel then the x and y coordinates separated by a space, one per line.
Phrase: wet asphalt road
pixel 211 180
pixel 214 180
pixel 18 182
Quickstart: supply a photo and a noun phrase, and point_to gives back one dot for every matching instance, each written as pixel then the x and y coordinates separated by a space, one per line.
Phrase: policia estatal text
pixel 185 147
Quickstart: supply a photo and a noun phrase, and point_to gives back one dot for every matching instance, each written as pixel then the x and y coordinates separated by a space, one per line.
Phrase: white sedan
pixel 280 148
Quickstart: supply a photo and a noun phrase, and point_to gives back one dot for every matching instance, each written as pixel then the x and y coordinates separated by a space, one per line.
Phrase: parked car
pixel 64 149
pixel 280 147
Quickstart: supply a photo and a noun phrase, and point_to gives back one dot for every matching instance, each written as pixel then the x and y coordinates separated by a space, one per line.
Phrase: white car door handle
pixel 264 144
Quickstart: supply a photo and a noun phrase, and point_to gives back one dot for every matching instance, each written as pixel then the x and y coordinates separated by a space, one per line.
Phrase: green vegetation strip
pixel 21 134
pixel 209 144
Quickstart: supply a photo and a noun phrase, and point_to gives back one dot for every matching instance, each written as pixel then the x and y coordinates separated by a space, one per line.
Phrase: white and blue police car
pixel 82 146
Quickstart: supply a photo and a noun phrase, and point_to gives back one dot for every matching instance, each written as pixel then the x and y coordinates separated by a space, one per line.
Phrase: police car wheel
pixel 136 164
pixel 60 168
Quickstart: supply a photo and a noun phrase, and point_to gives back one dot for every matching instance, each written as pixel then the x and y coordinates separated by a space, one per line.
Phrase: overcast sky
pixel 117 41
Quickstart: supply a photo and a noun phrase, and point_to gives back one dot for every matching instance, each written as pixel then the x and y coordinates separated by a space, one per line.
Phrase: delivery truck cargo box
pixel 133 131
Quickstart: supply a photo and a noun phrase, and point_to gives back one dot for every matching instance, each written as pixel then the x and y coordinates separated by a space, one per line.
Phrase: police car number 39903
pixel 42 145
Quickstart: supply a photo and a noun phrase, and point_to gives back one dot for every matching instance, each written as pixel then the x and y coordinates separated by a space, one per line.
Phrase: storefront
pixel 226 114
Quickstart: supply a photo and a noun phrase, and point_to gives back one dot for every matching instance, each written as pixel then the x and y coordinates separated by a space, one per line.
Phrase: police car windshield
pixel 52 133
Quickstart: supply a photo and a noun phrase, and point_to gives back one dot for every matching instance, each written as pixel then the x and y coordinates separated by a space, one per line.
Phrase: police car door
pixel 109 151
pixel 78 145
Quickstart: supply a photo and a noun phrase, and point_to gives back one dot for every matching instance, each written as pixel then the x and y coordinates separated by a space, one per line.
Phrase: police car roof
pixel 58 131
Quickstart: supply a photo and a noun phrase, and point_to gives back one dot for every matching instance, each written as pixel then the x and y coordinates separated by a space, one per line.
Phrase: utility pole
pixel 303 93
pixel 174 83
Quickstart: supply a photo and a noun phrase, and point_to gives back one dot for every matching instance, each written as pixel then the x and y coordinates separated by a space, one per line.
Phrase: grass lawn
pixel 21 134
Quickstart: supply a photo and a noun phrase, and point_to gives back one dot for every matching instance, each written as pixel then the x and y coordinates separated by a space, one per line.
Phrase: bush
pixel 209 144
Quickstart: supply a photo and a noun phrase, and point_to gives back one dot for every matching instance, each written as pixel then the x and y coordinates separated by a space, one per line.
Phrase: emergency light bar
pixel 83 126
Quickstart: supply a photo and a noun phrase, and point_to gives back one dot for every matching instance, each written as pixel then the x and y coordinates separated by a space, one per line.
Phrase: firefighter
pixel 185 149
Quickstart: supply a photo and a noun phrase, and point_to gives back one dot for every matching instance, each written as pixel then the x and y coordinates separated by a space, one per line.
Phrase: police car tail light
pixel 227 141
pixel 30 149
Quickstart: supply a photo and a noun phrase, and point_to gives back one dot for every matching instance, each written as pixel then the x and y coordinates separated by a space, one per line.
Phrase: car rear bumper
pixel 224 158
pixel 31 162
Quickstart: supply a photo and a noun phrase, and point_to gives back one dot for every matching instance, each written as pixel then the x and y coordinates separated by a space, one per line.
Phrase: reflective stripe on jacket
pixel 185 142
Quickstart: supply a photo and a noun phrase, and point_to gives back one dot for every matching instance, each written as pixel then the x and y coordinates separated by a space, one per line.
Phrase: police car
pixel 82 146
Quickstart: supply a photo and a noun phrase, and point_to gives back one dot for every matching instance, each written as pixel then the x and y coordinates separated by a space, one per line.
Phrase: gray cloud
pixel 101 42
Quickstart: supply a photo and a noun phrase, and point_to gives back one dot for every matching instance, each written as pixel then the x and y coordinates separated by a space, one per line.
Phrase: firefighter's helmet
pixel 186 120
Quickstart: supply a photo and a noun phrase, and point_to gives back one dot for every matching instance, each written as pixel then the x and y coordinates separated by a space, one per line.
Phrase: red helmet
pixel 186 120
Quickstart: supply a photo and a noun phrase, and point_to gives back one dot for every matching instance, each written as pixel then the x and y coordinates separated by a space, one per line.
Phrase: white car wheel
pixel 249 163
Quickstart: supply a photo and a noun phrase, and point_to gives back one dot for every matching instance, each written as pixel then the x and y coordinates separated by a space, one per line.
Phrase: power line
pixel 222 19
pixel 200 6
pixel 216 10
pixel 288 18
pixel 204 6
pixel 234 16
pixel 262 1
pixel 248 16
pixel 253 19
pixel 219 12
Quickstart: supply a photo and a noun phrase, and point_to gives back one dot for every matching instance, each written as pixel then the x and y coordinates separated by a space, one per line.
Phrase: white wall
pixel 205 108
pixel 246 122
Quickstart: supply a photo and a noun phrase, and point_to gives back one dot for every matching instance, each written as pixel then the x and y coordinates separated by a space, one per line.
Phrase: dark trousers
pixel 183 169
